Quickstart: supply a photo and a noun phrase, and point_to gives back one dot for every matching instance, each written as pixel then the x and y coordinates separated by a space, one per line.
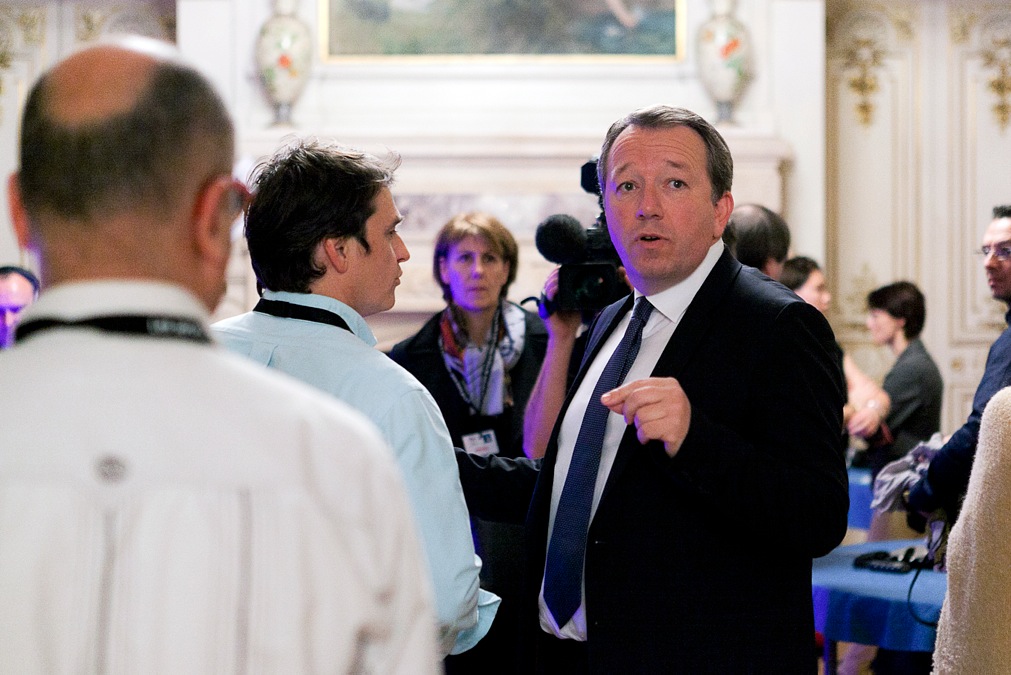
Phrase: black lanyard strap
pixel 290 310
pixel 173 327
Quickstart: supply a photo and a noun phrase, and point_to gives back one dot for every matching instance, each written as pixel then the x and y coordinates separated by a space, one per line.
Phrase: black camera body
pixel 588 278
pixel 594 283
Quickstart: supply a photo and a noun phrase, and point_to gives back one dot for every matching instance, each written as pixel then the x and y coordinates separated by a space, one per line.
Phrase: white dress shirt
pixel 167 507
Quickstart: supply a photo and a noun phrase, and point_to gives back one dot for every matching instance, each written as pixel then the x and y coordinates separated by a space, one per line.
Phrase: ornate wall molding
pixel 860 38
pixel 981 104
pixel 21 28
pixel 996 56
pixel 93 21
pixel 874 204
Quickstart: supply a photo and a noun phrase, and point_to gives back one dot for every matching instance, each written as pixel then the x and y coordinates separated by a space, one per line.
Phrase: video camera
pixel 588 278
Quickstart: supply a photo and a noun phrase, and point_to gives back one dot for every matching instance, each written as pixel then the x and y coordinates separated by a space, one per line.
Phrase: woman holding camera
pixel 479 357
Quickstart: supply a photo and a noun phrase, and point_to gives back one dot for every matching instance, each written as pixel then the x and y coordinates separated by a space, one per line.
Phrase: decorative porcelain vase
pixel 284 58
pixel 724 58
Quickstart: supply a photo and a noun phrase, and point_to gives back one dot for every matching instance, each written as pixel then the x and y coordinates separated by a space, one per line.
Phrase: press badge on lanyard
pixel 482 443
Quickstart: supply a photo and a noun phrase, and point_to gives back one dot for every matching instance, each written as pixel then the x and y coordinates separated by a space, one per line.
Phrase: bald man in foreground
pixel 165 506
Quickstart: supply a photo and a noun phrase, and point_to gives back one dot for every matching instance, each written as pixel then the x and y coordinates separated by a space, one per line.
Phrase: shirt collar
pixel 673 302
pixel 354 320
pixel 81 300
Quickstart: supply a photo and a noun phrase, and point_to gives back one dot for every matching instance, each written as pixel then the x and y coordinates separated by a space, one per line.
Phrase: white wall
pixel 508 110
pixel 506 129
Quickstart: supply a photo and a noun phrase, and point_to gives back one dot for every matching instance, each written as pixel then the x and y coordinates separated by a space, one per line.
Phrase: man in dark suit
pixel 721 473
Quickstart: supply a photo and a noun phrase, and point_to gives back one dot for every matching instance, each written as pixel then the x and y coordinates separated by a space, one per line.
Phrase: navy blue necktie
pixel 563 571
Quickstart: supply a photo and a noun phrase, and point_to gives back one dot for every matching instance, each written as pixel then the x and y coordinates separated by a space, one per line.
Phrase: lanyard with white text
pixel 174 327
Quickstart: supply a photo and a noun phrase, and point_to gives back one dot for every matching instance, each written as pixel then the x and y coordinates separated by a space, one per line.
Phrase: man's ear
pixel 336 252
pixel 724 207
pixel 211 223
pixel 19 215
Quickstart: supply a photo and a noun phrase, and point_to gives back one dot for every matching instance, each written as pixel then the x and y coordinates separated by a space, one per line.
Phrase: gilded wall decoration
pixel 91 22
pixel 997 57
pixel 858 40
pixel 900 14
pixel 865 57
pixel 854 301
pixel 29 23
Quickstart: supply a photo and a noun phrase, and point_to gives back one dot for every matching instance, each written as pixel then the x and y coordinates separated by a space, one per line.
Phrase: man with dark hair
pixel 759 237
pixel 947 477
pixel 165 506
pixel 703 426
pixel 18 289
pixel 322 234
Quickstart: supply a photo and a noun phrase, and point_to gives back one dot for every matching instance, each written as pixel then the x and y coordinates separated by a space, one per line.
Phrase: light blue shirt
pixel 346 364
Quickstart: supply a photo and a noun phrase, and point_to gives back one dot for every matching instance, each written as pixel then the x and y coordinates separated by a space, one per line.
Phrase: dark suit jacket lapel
pixel 686 340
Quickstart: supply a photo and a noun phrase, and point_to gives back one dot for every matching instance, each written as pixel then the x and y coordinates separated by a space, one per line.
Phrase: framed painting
pixel 448 29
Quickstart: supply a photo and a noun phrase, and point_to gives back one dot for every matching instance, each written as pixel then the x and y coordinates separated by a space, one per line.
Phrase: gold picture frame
pixel 455 30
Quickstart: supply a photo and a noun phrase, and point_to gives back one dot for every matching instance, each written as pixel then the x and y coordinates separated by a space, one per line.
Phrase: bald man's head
pixel 116 130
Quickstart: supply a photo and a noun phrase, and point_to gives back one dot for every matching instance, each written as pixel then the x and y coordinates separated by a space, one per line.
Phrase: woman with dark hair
pixel 895 317
pixel 479 358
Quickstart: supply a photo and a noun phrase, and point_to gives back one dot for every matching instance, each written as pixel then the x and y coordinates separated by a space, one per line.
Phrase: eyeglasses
pixel 1001 251
pixel 239 197
pixel 236 197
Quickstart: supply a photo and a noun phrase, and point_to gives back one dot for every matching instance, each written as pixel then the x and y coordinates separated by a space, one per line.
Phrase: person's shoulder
pixel 269 398
pixel 424 340
pixel 1000 406
pixel 762 295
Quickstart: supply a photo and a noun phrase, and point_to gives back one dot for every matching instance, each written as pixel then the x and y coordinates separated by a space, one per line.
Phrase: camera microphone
pixel 561 239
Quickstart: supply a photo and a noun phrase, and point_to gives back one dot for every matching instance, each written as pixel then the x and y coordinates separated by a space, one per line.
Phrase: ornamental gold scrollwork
pixel 138 18
pixel 864 56
pixel 31 23
pixel 998 57
pixel 855 299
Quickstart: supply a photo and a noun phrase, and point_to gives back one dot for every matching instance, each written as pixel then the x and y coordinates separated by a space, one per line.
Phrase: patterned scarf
pixel 481 372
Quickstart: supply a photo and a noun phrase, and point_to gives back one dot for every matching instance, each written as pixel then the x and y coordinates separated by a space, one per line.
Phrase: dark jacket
pixel 947 477
pixel 701 563
pixel 420 354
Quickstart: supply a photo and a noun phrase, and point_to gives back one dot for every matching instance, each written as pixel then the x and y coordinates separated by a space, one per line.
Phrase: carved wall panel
pixel 33 36
pixel 25 46
pixel 918 99
pixel 874 202
pixel 981 58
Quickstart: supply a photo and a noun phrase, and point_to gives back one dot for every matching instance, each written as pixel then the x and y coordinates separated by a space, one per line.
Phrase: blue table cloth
pixel 861 493
pixel 869 607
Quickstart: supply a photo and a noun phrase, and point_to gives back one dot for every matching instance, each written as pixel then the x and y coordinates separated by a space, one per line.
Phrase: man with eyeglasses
pixel 948 475
pixel 166 507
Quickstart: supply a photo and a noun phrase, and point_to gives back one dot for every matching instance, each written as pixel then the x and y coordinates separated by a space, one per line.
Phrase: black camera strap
pixel 156 326
pixel 290 310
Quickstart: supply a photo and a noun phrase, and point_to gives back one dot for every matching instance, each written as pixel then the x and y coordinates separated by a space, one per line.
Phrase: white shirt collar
pixel 85 299
pixel 355 321
pixel 673 302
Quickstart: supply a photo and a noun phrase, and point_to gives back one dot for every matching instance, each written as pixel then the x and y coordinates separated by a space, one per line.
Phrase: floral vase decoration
pixel 284 58
pixel 724 57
